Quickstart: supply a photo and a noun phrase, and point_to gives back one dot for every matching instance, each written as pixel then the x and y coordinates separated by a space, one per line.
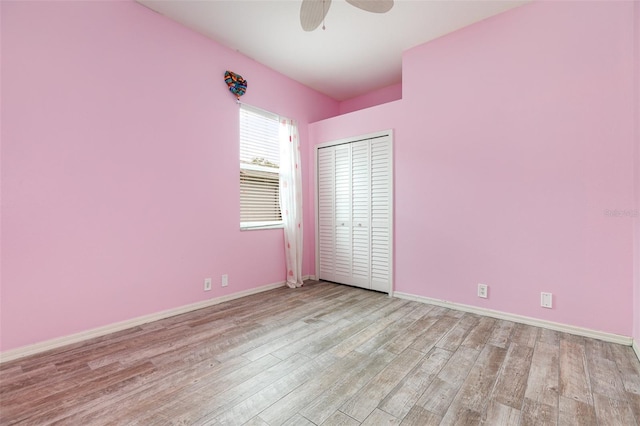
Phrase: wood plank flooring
pixel 326 354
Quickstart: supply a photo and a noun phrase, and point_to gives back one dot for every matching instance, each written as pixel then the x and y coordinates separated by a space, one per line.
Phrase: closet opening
pixel 354 211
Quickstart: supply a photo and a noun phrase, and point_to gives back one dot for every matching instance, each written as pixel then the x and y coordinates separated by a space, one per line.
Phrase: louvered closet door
pixel 326 227
pixel 343 213
pixel 355 213
pixel 360 210
pixel 381 214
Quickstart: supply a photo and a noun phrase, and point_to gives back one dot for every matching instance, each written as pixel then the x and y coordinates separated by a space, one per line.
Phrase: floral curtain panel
pixel 291 199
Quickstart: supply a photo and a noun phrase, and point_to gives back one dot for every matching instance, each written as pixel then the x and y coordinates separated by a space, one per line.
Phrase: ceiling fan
pixel 313 12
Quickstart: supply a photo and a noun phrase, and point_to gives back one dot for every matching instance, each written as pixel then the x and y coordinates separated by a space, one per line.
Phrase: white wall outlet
pixel 483 290
pixel 207 284
pixel 225 280
pixel 546 300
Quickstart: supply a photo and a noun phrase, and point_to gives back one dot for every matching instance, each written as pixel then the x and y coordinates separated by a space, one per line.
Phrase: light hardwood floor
pixel 326 354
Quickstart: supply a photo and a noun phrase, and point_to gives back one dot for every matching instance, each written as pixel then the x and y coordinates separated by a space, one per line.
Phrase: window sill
pixel 261 225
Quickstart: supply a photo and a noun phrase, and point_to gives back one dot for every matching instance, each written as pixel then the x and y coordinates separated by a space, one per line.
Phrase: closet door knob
pixel 359 224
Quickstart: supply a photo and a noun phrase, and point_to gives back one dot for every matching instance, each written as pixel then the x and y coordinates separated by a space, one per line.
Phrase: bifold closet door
pixel 381 214
pixel 355 213
pixel 326 209
pixel 342 214
pixel 334 214
pixel 360 213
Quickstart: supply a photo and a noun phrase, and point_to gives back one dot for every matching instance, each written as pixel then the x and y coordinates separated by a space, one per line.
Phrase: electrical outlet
pixel 483 290
pixel 225 280
pixel 207 284
pixel 546 300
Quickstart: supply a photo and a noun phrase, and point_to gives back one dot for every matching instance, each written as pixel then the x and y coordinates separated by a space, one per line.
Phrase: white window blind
pixel 259 168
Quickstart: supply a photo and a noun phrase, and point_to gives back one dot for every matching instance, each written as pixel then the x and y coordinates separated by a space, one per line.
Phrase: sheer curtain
pixel 291 199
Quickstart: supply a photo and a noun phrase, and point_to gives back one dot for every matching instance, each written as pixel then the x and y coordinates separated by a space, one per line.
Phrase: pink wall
pixel 376 97
pixel 516 137
pixel 119 167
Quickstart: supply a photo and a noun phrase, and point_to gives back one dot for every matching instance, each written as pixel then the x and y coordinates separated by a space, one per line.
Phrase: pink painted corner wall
pixel 119 167
pixel 377 97
pixel 511 150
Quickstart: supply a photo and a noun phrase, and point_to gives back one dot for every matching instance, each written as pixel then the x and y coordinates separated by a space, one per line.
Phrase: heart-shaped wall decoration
pixel 237 84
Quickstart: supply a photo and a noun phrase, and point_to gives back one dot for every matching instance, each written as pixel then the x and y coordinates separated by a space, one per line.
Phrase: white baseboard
pixel 585 332
pixel 123 325
pixel 636 349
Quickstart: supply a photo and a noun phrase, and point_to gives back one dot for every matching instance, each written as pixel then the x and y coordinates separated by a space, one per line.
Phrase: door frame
pixel 343 141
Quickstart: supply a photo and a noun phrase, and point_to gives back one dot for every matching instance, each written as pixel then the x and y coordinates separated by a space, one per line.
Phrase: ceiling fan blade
pixel 312 13
pixel 375 6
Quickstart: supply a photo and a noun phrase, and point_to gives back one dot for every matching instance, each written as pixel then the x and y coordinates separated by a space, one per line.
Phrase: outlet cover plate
pixel 207 284
pixel 546 300
pixel 483 290
pixel 225 280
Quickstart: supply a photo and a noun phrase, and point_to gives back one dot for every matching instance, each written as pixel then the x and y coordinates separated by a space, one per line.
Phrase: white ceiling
pixel 358 52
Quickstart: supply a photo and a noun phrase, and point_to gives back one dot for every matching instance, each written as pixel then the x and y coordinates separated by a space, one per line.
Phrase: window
pixel 259 169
